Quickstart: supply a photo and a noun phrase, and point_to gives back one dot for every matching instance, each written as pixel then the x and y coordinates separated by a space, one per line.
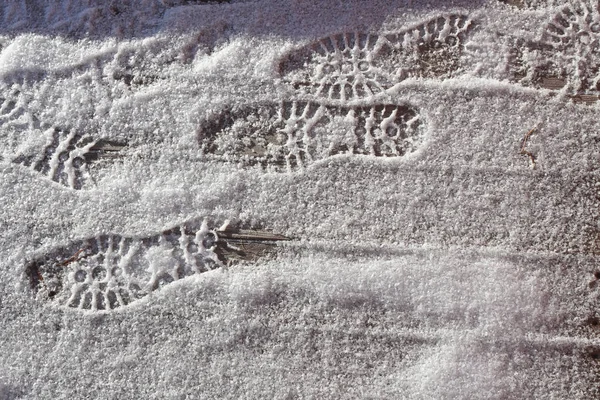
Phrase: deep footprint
pixel 110 271
pixel 565 57
pixel 354 65
pixel 292 135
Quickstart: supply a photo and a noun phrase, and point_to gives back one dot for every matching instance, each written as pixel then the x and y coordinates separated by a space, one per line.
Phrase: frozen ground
pixel 457 262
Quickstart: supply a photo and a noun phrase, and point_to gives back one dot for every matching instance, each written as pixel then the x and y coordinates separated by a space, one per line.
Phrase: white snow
pixel 458 272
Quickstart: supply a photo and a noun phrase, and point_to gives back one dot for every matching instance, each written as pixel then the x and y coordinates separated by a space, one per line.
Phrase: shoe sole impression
pixel 290 136
pixel 66 157
pixel 62 155
pixel 354 65
pixel 526 4
pixel 110 271
pixel 565 57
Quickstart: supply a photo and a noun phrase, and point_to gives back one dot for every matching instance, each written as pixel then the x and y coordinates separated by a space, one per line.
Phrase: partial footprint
pixel 61 155
pixel 67 155
pixel 294 134
pixel 109 271
pixel 176 3
pixel 531 4
pixel 565 57
pixel 355 65
pixel 80 18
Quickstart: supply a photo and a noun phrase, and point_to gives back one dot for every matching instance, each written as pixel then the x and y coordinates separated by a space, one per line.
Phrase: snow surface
pixel 458 272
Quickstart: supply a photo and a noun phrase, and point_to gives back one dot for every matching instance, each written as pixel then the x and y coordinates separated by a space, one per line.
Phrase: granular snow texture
pixel 433 163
